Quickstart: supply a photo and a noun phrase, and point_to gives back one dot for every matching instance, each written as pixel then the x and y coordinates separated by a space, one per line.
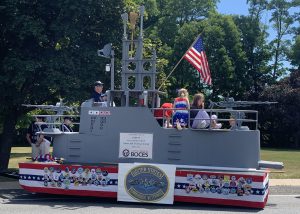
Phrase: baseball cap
pixel 214 117
pixel 97 83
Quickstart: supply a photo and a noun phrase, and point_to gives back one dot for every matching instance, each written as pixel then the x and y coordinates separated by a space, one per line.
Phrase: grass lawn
pixel 290 158
pixel 19 154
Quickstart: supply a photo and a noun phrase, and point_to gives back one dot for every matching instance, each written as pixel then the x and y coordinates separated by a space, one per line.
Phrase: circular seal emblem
pixel 46 169
pixel 80 170
pixel 125 152
pixel 147 183
pixel 73 171
pixel 51 169
pixel 58 170
pixel 104 173
pixel 98 171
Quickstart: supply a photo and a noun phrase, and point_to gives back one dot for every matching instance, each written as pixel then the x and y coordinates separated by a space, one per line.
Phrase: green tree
pixel 258 53
pixel 48 50
pixel 282 21
pixel 280 123
pixel 226 56
pixel 295 53
pixel 179 25
pixel 170 15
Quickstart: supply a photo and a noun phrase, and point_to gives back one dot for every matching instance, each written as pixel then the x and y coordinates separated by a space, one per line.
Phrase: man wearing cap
pixel 39 144
pixel 66 126
pixel 97 93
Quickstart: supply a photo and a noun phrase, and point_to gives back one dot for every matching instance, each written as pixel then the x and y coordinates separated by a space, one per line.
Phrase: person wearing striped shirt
pixel 66 125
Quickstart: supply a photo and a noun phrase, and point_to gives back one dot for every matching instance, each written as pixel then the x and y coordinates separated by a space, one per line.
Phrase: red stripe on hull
pixel 70 192
pixel 110 169
pixel 218 201
pixel 103 194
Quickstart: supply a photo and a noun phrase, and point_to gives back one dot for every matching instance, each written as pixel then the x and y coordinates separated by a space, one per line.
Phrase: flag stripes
pixel 197 57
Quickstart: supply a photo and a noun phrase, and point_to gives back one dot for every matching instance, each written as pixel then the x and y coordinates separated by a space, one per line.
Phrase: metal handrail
pixel 54 115
pixel 210 113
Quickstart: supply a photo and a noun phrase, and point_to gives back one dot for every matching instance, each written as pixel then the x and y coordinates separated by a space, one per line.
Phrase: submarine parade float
pixel 123 152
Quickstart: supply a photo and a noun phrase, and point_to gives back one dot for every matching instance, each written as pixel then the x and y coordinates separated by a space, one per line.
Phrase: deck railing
pixel 224 116
pixel 55 121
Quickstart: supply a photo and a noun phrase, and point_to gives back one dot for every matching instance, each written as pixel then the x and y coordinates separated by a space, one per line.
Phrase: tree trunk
pixel 7 138
pixel 276 62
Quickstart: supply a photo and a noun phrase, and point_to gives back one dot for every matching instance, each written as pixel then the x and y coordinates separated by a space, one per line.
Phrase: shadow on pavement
pixel 60 202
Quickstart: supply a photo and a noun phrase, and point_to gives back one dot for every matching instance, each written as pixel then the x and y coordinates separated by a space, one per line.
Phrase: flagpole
pixel 180 60
pixel 171 72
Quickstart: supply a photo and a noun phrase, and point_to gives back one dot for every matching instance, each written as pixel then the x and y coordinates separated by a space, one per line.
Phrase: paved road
pixel 282 200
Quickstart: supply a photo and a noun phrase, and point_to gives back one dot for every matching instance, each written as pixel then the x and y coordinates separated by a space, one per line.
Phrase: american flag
pixel 197 57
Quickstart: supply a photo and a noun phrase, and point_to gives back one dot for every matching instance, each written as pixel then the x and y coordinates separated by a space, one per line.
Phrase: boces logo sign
pixel 135 154
pixel 147 183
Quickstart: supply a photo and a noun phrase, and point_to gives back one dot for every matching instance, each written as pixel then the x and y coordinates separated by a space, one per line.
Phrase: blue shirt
pixel 33 129
pixel 97 97
pixel 66 128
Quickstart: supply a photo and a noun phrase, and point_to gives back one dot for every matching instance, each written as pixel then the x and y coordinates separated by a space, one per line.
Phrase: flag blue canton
pixel 199 45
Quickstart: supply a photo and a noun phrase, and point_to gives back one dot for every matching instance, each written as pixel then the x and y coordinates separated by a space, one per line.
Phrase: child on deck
pixel 180 118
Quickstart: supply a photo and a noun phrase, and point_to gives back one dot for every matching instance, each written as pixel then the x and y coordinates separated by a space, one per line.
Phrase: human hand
pixel 213 124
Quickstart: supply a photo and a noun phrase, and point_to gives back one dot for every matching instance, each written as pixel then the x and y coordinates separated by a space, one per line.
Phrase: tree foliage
pixel 280 124
pixel 282 21
pixel 48 51
pixel 295 53
pixel 258 53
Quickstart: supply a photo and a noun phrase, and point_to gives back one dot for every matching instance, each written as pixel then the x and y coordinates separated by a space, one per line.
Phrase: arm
pixel 28 138
pixel 40 140
pixel 28 134
pixel 174 104
pixel 188 103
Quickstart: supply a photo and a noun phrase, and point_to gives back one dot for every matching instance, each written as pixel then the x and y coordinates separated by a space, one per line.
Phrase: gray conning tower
pixel 138 74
